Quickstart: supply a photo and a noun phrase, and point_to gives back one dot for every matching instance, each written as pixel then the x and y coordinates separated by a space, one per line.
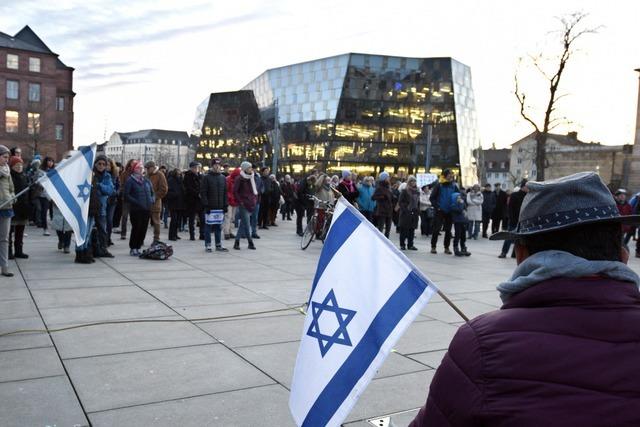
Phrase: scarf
pixel 137 177
pixel 5 171
pixel 549 264
pixel 250 178
pixel 349 185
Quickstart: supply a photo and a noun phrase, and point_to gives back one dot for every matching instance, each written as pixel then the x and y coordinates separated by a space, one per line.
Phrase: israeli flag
pixel 365 294
pixel 69 186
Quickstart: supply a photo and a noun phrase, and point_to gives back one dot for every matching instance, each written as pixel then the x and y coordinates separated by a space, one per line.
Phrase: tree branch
pixel 521 100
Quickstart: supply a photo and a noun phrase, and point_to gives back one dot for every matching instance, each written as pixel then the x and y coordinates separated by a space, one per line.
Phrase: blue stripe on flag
pixel 69 200
pixel 366 351
pixel 340 231
pixel 87 153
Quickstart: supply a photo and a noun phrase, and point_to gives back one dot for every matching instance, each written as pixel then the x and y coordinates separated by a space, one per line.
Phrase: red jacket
pixel 562 353
pixel 230 180
pixel 625 209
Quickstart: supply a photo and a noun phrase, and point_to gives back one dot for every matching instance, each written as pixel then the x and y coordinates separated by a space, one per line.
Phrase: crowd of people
pixel 234 203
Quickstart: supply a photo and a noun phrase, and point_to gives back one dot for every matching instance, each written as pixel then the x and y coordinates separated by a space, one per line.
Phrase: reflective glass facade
pixel 369 113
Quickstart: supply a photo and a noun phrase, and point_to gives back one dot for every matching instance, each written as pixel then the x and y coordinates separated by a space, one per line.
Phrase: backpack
pixel 157 251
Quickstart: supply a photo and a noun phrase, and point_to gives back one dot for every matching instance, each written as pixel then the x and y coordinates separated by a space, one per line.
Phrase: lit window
pixel 34 92
pixel 60 103
pixel 59 132
pixel 12 61
pixel 13 89
pixel 33 123
pixel 34 65
pixel 11 119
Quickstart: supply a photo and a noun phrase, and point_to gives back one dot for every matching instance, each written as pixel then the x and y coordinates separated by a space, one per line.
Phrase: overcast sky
pixel 148 64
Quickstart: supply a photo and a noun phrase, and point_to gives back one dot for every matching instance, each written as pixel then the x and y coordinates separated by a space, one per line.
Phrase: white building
pixel 496 168
pixel 165 147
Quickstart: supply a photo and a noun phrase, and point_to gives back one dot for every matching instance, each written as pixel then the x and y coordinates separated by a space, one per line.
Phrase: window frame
pixel 35 60
pixel 32 127
pixel 59 128
pixel 17 82
pixel 60 102
pixel 17 62
pixel 6 117
pixel 39 86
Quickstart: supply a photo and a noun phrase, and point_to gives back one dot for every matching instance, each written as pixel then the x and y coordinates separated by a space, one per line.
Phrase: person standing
pixel 124 218
pixel 191 183
pixel 383 212
pixel 488 205
pixel 409 213
pixel 513 213
pixel 274 200
pixel 246 194
pixel 21 209
pixel 426 211
pixel 43 199
pixel 230 216
pixel 460 220
pixel 348 188
pixel 138 192
pixel 102 188
pixel 366 204
pixel 7 193
pixel 624 208
pixel 288 192
pixel 441 202
pixel 500 210
pixel 160 188
pixel 304 203
pixel 213 196
pixel 175 202
pixel 114 199
pixel 475 201
pixel 265 190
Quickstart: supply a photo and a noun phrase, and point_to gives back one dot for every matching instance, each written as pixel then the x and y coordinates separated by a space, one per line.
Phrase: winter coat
pixel 230 180
pixel 441 195
pixel 474 206
pixel 101 188
pixel 213 191
pixel 365 201
pixel 274 197
pixel 243 193
pixel 305 189
pixel 458 208
pixel 624 209
pixel 58 222
pixel 425 203
pixel 7 191
pixel 563 352
pixel 287 192
pixel 22 205
pixel 175 197
pixel 500 211
pixel 139 195
pixel 160 189
pixel 191 183
pixel 515 203
pixel 409 202
pixel 488 202
pixel 384 200
pixel 349 191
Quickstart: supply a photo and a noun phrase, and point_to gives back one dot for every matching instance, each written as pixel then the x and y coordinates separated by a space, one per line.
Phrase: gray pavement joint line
pixel 197 326
pixel 7 350
pixel 55 347
pixel 187 397
pixel 32 378
pixel 141 351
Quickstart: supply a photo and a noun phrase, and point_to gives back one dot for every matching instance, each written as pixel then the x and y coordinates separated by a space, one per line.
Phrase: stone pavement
pixel 227 372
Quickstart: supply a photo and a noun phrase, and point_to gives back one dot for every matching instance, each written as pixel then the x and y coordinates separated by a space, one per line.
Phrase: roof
pixel 155 134
pixel 497 155
pixel 561 139
pixel 27 39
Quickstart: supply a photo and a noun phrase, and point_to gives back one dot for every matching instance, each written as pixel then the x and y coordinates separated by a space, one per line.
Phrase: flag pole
pixel 442 295
pixel 6 202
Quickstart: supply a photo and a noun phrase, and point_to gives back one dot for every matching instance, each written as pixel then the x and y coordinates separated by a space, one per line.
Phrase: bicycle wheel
pixel 308 234
pixel 325 228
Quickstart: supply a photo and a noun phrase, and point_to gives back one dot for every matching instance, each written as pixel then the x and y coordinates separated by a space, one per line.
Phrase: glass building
pixel 366 113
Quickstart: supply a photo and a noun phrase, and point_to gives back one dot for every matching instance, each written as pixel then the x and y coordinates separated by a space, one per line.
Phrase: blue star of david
pixel 85 191
pixel 343 315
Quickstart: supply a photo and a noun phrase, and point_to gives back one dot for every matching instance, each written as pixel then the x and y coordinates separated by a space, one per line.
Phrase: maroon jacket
pixel 565 352
pixel 243 193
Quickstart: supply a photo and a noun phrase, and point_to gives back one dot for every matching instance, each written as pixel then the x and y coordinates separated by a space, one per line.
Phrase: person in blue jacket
pixel 441 201
pixel 102 188
pixel 366 204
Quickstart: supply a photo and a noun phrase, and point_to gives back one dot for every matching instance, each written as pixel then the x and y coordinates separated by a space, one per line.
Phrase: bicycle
pixel 317 226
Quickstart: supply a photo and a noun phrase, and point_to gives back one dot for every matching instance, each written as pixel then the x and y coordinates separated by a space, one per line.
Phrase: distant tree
pixel 570 31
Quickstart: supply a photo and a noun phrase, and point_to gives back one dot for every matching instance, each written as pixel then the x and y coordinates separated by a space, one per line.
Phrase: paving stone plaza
pixel 234 371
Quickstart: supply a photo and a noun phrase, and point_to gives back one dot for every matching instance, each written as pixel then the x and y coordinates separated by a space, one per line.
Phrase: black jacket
pixel 175 195
pixel 22 205
pixel 213 191
pixel 515 203
pixel 191 183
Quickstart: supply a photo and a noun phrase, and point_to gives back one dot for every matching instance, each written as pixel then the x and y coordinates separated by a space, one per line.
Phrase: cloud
pixel 110 85
pixel 96 75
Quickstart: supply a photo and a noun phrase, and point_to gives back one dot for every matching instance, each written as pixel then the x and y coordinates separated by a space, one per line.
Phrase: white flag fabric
pixel 365 294
pixel 69 186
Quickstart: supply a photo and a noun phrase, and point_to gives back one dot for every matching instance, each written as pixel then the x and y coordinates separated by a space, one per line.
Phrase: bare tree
pixel 570 32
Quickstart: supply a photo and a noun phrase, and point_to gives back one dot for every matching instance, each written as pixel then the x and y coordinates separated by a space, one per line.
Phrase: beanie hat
pixel 383 176
pixel 194 164
pixel 4 150
pixel 150 164
pixel 14 160
pixel 244 166
pixel 101 158
pixel 346 174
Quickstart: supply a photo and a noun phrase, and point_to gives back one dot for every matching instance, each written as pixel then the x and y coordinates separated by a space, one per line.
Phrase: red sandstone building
pixel 36 97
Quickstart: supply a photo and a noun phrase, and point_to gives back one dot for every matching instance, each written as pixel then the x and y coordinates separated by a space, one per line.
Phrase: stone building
pixel 166 147
pixel 36 96
pixel 496 167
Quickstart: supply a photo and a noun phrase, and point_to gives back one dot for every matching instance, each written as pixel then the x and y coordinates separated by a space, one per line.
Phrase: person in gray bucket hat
pixel 563 348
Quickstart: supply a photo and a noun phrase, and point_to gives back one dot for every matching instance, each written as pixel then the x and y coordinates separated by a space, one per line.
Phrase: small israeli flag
pixel 69 186
pixel 365 294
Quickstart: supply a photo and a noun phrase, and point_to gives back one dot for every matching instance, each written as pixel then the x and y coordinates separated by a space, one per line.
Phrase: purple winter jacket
pixel 243 193
pixel 565 352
